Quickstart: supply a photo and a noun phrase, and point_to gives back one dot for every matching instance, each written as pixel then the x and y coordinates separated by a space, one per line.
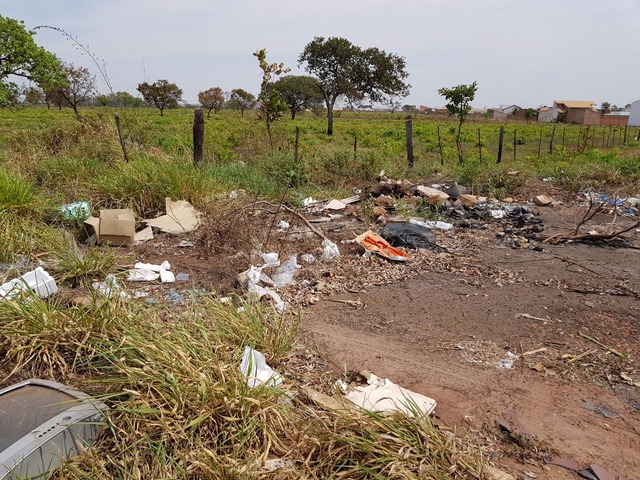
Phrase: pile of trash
pixel 628 206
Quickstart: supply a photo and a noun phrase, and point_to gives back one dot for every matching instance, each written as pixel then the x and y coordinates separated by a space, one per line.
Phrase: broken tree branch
pixel 609 349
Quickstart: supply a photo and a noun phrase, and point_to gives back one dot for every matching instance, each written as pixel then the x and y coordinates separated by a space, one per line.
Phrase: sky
pixel 523 52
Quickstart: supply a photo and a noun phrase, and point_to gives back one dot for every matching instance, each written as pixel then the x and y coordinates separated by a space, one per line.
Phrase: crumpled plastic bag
pixel 254 367
pixel 329 250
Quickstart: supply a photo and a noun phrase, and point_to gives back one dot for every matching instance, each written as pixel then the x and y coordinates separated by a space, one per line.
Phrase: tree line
pixel 338 71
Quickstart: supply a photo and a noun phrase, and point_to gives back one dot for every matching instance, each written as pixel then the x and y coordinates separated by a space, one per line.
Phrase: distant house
pixel 579 112
pixel 619 119
pixel 548 114
pixel 510 109
pixel 634 114
pixel 497 114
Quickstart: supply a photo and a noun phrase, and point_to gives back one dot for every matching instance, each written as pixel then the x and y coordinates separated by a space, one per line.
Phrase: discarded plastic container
pixel 78 211
pixel 38 280
pixel 432 224
pixel 285 272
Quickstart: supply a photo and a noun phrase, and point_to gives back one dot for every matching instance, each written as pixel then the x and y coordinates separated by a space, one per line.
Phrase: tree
pixel 78 87
pixel 160 94
pixel 459 99
pixel 605 107
pixel 119 100
pixel 347 71
pixel 241 100
pixel 211 99
pixel 271 105
pixel 33 96
pixel 21 57
pixel 530 114
pixel 299 92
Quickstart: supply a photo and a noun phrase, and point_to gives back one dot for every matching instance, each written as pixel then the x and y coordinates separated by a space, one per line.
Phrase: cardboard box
pixel 114 227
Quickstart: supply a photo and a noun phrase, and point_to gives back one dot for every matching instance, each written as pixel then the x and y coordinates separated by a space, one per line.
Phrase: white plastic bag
pixel 285 272
pixel 254 367
pixel 329 251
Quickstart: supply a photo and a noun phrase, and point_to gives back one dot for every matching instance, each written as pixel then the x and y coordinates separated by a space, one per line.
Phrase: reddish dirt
pixel 406 322
pixel 408 332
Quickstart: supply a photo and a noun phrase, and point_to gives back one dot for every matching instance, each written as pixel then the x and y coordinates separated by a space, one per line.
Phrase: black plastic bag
pixel 408 235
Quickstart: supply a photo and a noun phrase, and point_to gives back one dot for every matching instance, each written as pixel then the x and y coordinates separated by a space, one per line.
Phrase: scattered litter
pixel 307 202
pixel 605 412
pixel 252 277
pixel 185 244
pixel 77 212
pixel 335 205
pixel 284 274
pixel 283 226
pixel 153 267
pixel 273 464
pixel 38 281
pixel 182 277
pixel 143 235
pixel 235 194
pixel 531 317
pixel 498 214
pixel 408 235
pixel 329 250
pixel 167 276
pixel 140 295
pixel 376 244
pixel 594 472
pixel 350 200
pixel 142 275
pixel 382 395
pixel 486 352
pixel 307 258
pixel 433 195
pixel 180 217
pixel 110 288
pixel 254 367
pixel 455 190
pixel 326 401
pixel 114 227
pixel 432 224
pixel 542 200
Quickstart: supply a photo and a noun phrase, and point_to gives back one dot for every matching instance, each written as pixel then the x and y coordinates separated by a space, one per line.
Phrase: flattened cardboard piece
pixel 181 217
pixel 114 227
pixel 143 235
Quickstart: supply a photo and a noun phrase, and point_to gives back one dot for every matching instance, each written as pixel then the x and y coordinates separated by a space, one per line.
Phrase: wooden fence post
pixel 124 147
pixel 613 137
pixel 579 142
pixel 593 137
pixel 198 136
pixel 515 131
pixel 479 145
pixel 609 136
pixel 355 147
pixel 295 148
pixel 564 131
pixel 540 143
pixel 625 135
pixel 440 147
pixel 553 136
pixel 500 140
pixel 409 130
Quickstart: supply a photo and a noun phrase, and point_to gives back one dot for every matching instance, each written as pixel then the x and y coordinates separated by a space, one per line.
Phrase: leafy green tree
pixel 160 94
pixel 211 99
pixel 271 105
pixel 119 100
pixel 21 57
pixel 605 107
pixel 459 99
pixel 241 100
pixel 347 71
pixel 299 92
pixel 530 114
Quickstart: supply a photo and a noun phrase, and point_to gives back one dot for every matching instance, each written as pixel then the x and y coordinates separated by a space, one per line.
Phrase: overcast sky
pixel 524 52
